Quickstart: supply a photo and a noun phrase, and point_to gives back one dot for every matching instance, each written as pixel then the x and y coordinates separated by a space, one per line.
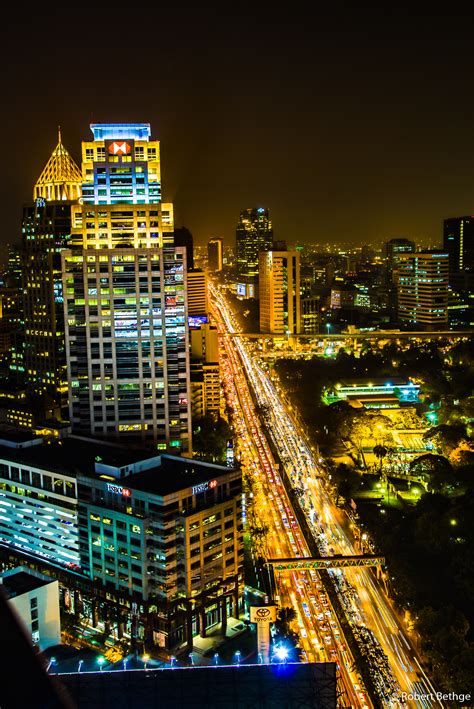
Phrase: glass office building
pixel 125 297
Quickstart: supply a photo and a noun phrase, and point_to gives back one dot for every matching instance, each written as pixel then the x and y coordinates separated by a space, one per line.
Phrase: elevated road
pixel 374 335
pixel 328 562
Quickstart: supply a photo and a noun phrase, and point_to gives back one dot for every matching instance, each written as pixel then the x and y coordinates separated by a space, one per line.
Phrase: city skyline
pixel 340 129
pixel 236 354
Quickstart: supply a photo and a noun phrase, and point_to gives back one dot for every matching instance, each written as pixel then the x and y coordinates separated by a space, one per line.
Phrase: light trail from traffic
pixel 391 656
pixel 321 638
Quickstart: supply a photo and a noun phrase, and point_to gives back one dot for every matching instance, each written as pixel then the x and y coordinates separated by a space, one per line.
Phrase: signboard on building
pixel 195 321
pixel 203 487
pixel 263 614
pixel 118 490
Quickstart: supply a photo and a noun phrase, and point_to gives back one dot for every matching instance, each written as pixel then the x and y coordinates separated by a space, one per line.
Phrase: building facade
pixel 458 242
pixel 393 249
pixel 215 254
pixel 125 305
pixel 310 315
pixel 422 289
pixel 154 530
pixel 279 286
pixel 128 366
pixel 254 233
pixel 205 372
pixel 35 599
pixel 38 502
pixel 46 232
pixel 196 289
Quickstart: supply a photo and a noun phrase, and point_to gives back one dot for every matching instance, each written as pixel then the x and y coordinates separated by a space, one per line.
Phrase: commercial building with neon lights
pixel 120 526
pixel 124 286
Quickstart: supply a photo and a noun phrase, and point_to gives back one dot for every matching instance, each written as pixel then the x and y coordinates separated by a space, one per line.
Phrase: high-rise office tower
pixel 280 305
pixel 393 249
pixel 45 233
pixel 458 242
pixel 196 289
pixel 310 314
pixel 183 237
pixel 215 253
pixel 254 233
pixel 205 372
pixel 125 300
pixel 422 289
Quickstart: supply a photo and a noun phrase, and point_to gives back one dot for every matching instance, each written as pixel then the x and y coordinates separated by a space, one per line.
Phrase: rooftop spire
pixel 61 178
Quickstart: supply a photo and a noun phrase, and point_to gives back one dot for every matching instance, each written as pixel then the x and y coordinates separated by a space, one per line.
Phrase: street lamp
pixel 101 661
pixel 281 653
pixel 216 659
pixel 191 657
pixel 172 660
pixel 146 659
pixel 237 654
pixel 52 661
pixel 81 662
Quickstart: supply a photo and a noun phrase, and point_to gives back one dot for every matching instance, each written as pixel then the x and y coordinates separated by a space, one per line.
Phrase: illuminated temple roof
pixel 61 178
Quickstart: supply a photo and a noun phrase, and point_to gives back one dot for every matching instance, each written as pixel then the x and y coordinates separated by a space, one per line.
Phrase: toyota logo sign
pixel 263 614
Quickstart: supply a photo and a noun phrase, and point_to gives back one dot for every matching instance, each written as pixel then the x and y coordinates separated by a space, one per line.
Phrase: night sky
pixel 354 125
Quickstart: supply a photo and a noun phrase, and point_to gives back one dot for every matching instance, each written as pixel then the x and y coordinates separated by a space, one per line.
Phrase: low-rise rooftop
pixel 173 474
pixel 73 455
pixel 16 584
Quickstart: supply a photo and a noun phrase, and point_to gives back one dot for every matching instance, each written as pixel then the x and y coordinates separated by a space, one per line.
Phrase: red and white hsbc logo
pixel 120 148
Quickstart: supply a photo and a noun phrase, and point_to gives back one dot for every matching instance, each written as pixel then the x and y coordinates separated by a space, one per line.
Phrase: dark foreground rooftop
pixel 282 686
pixel 22 582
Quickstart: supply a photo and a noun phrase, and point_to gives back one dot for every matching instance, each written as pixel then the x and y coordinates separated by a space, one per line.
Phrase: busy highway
pixel 383 642
pixel 320 635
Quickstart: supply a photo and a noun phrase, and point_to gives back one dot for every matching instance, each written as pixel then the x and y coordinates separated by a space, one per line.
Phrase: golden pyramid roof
pixel 61 178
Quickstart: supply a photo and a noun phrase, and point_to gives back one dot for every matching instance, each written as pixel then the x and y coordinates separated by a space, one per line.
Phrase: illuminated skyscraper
pixel 215 252
pixel 458 242
pixel 46 232
pixel 280 306
pixel 254 234
pixel 422 286
pixel 61 178
pixel 393 249
pixel 125 299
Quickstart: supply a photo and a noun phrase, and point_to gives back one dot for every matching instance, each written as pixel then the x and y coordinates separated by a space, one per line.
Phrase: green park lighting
pixel 453 522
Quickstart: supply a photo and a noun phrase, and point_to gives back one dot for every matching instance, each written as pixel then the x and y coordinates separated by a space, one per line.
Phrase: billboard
pixel 263 614
pixel 195 321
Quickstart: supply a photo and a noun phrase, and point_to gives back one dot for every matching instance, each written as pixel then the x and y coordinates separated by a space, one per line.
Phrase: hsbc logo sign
pixel 120 148
pixel 203 487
